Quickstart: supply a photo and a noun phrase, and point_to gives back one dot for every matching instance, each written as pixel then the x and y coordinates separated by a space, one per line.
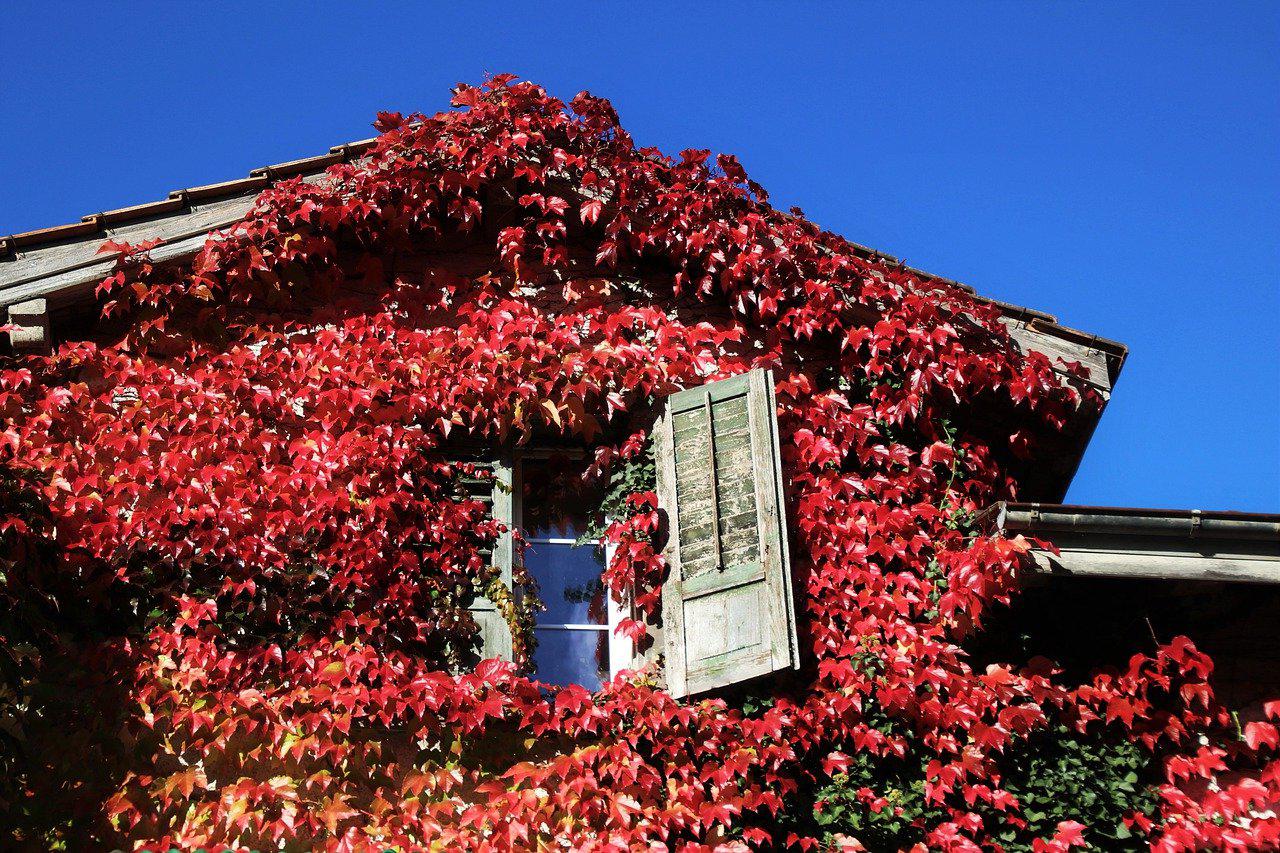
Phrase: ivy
pixel 631 475
pixel 1099 780
pixel 236 499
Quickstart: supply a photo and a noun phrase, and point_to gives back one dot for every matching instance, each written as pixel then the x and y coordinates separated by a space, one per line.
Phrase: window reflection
pixel 558 502
pixel 572 657
pixel 572 633
pixel 568 582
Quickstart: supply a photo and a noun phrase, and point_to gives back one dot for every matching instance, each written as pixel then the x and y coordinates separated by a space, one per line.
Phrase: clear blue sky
pixel 1117 165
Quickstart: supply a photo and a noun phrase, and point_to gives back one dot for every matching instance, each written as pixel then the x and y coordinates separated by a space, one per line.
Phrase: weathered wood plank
pixel 494 636
pixel 1033 337
pixel 775 560
pixel 44 261
pixel 740 575
pixel 729 587
pixel 672 605
pixel 32 333
pixel 784 543
pixel 725 423
pixel 1184 566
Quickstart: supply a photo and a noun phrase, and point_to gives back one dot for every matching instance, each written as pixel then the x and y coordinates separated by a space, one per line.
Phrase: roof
pixel 48 277
pixel 62 263
pixel 1153 544
pixel 30 258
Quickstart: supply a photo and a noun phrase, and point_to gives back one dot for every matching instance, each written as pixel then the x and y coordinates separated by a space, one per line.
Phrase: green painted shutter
pixel 493 639
pixel 727 606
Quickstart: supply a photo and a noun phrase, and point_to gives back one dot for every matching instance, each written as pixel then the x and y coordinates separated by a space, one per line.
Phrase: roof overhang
pixel 1150 544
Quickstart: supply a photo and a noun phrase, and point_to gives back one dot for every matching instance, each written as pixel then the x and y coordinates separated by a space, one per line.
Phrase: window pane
pixel 572 657
pixel 558 503
pixel 568 583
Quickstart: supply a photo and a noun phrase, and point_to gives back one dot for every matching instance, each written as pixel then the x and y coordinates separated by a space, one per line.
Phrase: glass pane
pixel 572 657
pixel 568 583
pixel 558 502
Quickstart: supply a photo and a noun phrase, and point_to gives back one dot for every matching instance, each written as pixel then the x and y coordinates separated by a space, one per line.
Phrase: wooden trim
pixel 760 414
pixel 672 605
pixel 622 651
pixel 710 673
pixel 32 332
pixel 692 398
pixel 720 581
pixel 496 639
pixel 784 540
pixel 1165 565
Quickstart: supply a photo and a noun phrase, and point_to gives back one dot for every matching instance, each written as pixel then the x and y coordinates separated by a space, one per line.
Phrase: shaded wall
pixel 1088 623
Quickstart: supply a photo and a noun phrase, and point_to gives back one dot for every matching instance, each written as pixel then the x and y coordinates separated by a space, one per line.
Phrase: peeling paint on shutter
pixel 727 609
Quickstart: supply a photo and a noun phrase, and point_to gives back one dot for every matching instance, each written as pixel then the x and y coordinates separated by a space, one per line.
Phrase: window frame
pixel 622 653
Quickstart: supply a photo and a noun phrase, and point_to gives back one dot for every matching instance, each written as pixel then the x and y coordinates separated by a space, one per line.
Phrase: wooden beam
pixel 32 333
pixel 1166 563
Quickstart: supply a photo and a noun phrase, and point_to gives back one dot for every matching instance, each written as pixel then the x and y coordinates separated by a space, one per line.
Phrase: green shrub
pixel 1057 775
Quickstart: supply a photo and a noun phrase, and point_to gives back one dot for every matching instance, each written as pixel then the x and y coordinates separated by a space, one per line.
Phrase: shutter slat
pixel 727 609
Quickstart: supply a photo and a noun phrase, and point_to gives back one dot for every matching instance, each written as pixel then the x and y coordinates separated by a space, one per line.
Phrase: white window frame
pixel 621 648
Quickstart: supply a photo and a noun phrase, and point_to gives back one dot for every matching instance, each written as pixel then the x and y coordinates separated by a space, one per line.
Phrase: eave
pixel 1150 544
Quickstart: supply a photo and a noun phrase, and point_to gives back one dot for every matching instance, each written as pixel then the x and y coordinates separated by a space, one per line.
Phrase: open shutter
pixel 727 608
pixel 494 637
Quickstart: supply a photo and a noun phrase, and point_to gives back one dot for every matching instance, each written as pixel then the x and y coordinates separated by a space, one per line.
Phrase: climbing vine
pixel 239 560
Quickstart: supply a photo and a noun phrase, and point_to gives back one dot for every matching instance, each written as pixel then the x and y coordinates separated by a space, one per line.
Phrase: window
pixel 573 631
pixel 552 506
pixel 727 608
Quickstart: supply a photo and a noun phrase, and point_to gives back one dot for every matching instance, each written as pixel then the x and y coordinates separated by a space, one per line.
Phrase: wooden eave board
pixel 1168 560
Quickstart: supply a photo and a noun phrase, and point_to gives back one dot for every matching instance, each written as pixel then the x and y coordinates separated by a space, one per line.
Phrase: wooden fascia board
pixel 1187 562
pixel 60 273
pixel 76 285
pixel 64 270
pixel 1064 346
pixel 68 273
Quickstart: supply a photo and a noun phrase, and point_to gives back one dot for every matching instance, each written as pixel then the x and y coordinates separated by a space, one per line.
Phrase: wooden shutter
pixel 727 607
pixel 494 637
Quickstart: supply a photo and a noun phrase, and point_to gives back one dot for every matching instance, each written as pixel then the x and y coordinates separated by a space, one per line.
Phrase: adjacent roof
pixel 1126 542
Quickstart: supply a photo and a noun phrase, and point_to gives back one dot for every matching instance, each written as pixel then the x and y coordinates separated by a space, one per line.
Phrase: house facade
pixel 765 471
pixel 47 283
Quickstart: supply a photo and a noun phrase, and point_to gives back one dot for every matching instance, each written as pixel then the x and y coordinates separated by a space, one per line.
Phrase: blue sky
pixel 1117 165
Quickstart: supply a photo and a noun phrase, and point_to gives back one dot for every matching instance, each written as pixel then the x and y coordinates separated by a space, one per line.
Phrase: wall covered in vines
pixel 234 563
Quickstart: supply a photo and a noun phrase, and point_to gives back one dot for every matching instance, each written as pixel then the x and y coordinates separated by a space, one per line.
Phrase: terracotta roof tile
pixel 139 211
pixel 237 186
pixel 69 231
pixel 298 167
